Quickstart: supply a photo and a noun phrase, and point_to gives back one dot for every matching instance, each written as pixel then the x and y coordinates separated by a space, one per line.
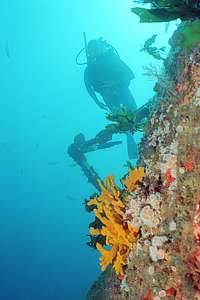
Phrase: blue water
pixel 43 252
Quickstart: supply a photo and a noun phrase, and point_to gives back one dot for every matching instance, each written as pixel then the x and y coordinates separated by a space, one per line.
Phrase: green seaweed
pixel 191 35
pixel 149 42
pixel 146 15
pixel 128 165
pixel 165 11
pixel 124 121
pixel 153 51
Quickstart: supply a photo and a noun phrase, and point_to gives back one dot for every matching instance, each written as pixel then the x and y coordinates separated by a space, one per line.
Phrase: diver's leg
pixel 128 100
pixel 109 100
pixel 132 147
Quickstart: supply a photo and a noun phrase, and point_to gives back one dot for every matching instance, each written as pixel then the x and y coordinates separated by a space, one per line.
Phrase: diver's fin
pixel 131 147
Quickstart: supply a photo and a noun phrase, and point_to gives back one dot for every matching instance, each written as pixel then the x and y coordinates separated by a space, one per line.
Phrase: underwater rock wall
pixel 165 262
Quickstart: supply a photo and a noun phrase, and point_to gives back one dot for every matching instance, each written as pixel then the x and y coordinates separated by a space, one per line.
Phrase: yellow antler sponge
pixel 120 234
pixel 133 177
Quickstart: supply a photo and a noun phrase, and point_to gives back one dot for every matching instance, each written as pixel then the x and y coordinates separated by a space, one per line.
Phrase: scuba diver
pixel 108 76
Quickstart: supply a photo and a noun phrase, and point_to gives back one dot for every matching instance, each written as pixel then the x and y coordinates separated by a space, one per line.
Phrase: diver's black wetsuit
pixel 109 76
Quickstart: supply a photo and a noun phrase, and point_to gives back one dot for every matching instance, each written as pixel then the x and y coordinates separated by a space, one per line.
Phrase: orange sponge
pixel 120 234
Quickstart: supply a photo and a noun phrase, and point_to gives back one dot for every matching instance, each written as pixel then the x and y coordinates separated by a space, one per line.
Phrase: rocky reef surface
pixel 165 260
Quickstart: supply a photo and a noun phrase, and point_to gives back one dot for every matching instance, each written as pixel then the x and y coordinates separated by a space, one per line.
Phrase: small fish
pixel 3 144
pixel 53 163
pixel 72 165
pixel 70 198
pixel 7 50
pixel 5 147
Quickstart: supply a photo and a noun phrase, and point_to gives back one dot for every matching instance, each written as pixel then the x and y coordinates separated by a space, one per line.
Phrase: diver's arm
pixel 123 73
pixel 91 91
pixel 126 73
